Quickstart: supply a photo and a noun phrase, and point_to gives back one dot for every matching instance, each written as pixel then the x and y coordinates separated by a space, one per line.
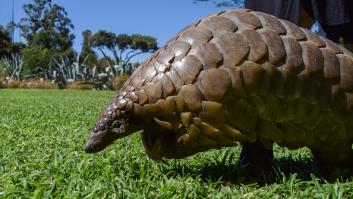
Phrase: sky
pixel 161 19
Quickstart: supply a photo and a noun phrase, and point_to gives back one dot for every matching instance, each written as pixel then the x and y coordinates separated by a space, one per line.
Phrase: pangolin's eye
pixel 116 124
pixel 101 127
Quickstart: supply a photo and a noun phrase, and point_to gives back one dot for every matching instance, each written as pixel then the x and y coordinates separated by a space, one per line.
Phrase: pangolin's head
pixel 113 123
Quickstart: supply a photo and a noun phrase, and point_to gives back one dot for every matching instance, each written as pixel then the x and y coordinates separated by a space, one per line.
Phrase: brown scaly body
pixel 238 76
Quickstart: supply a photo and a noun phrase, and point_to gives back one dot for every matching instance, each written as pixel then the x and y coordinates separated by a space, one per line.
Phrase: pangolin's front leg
pixel 255 157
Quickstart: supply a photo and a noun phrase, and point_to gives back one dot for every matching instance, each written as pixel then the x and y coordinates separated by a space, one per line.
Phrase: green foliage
pixel 224 3
pixel 47 30
pixel 143 43
pixel 37 60
pixel 123 47
pixel 42 133
pixel 5 43
pixel 47 26
pixel 104 39
pixel 7 48
pixel 87 53
pixel 105 62
pixel 3 72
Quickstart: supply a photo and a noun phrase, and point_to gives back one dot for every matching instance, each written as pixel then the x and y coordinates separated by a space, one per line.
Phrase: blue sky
pixel 161 19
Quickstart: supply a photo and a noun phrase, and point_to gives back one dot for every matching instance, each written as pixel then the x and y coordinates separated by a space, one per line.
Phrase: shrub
pixel 38 84
pixel 41 84
pixel 2 72
pixel 37 60
pixel 14 84
pixel 119 81
pixel 80 86
pixel 2 83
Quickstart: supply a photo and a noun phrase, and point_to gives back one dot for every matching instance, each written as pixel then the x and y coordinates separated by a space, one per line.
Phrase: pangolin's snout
pixel 97 141
pixel 89 147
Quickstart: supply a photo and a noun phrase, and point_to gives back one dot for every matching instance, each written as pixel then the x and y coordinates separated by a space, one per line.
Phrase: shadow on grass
pixel 227 174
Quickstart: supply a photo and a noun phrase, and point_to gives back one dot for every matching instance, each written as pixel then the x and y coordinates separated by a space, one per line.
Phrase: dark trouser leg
pixel 339 156
pixel 305 20
pixel 256 157
pixel 349 46
pixel 340 33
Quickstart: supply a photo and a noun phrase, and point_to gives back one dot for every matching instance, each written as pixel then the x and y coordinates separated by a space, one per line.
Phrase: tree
pixel 7 48
pixel 123 47
pixel 225 3
pixel 5 43
pixel 47 26
pixel 87 53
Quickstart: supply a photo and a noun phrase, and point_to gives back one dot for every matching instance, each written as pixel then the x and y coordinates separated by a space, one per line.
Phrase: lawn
pixel 42 133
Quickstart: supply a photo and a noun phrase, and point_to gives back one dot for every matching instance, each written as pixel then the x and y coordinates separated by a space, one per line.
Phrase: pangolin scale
pixel 237 76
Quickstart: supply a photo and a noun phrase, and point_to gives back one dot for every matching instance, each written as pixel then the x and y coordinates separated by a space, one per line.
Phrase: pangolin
pixel 237 76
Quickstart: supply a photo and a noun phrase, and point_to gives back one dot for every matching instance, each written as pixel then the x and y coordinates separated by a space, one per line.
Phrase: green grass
pixel 41 138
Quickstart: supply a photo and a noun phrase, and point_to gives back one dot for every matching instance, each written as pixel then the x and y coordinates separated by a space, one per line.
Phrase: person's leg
pixel 305 20
pixel 340 33
pixel 287 10
pixel 256 157
pixel 349 46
